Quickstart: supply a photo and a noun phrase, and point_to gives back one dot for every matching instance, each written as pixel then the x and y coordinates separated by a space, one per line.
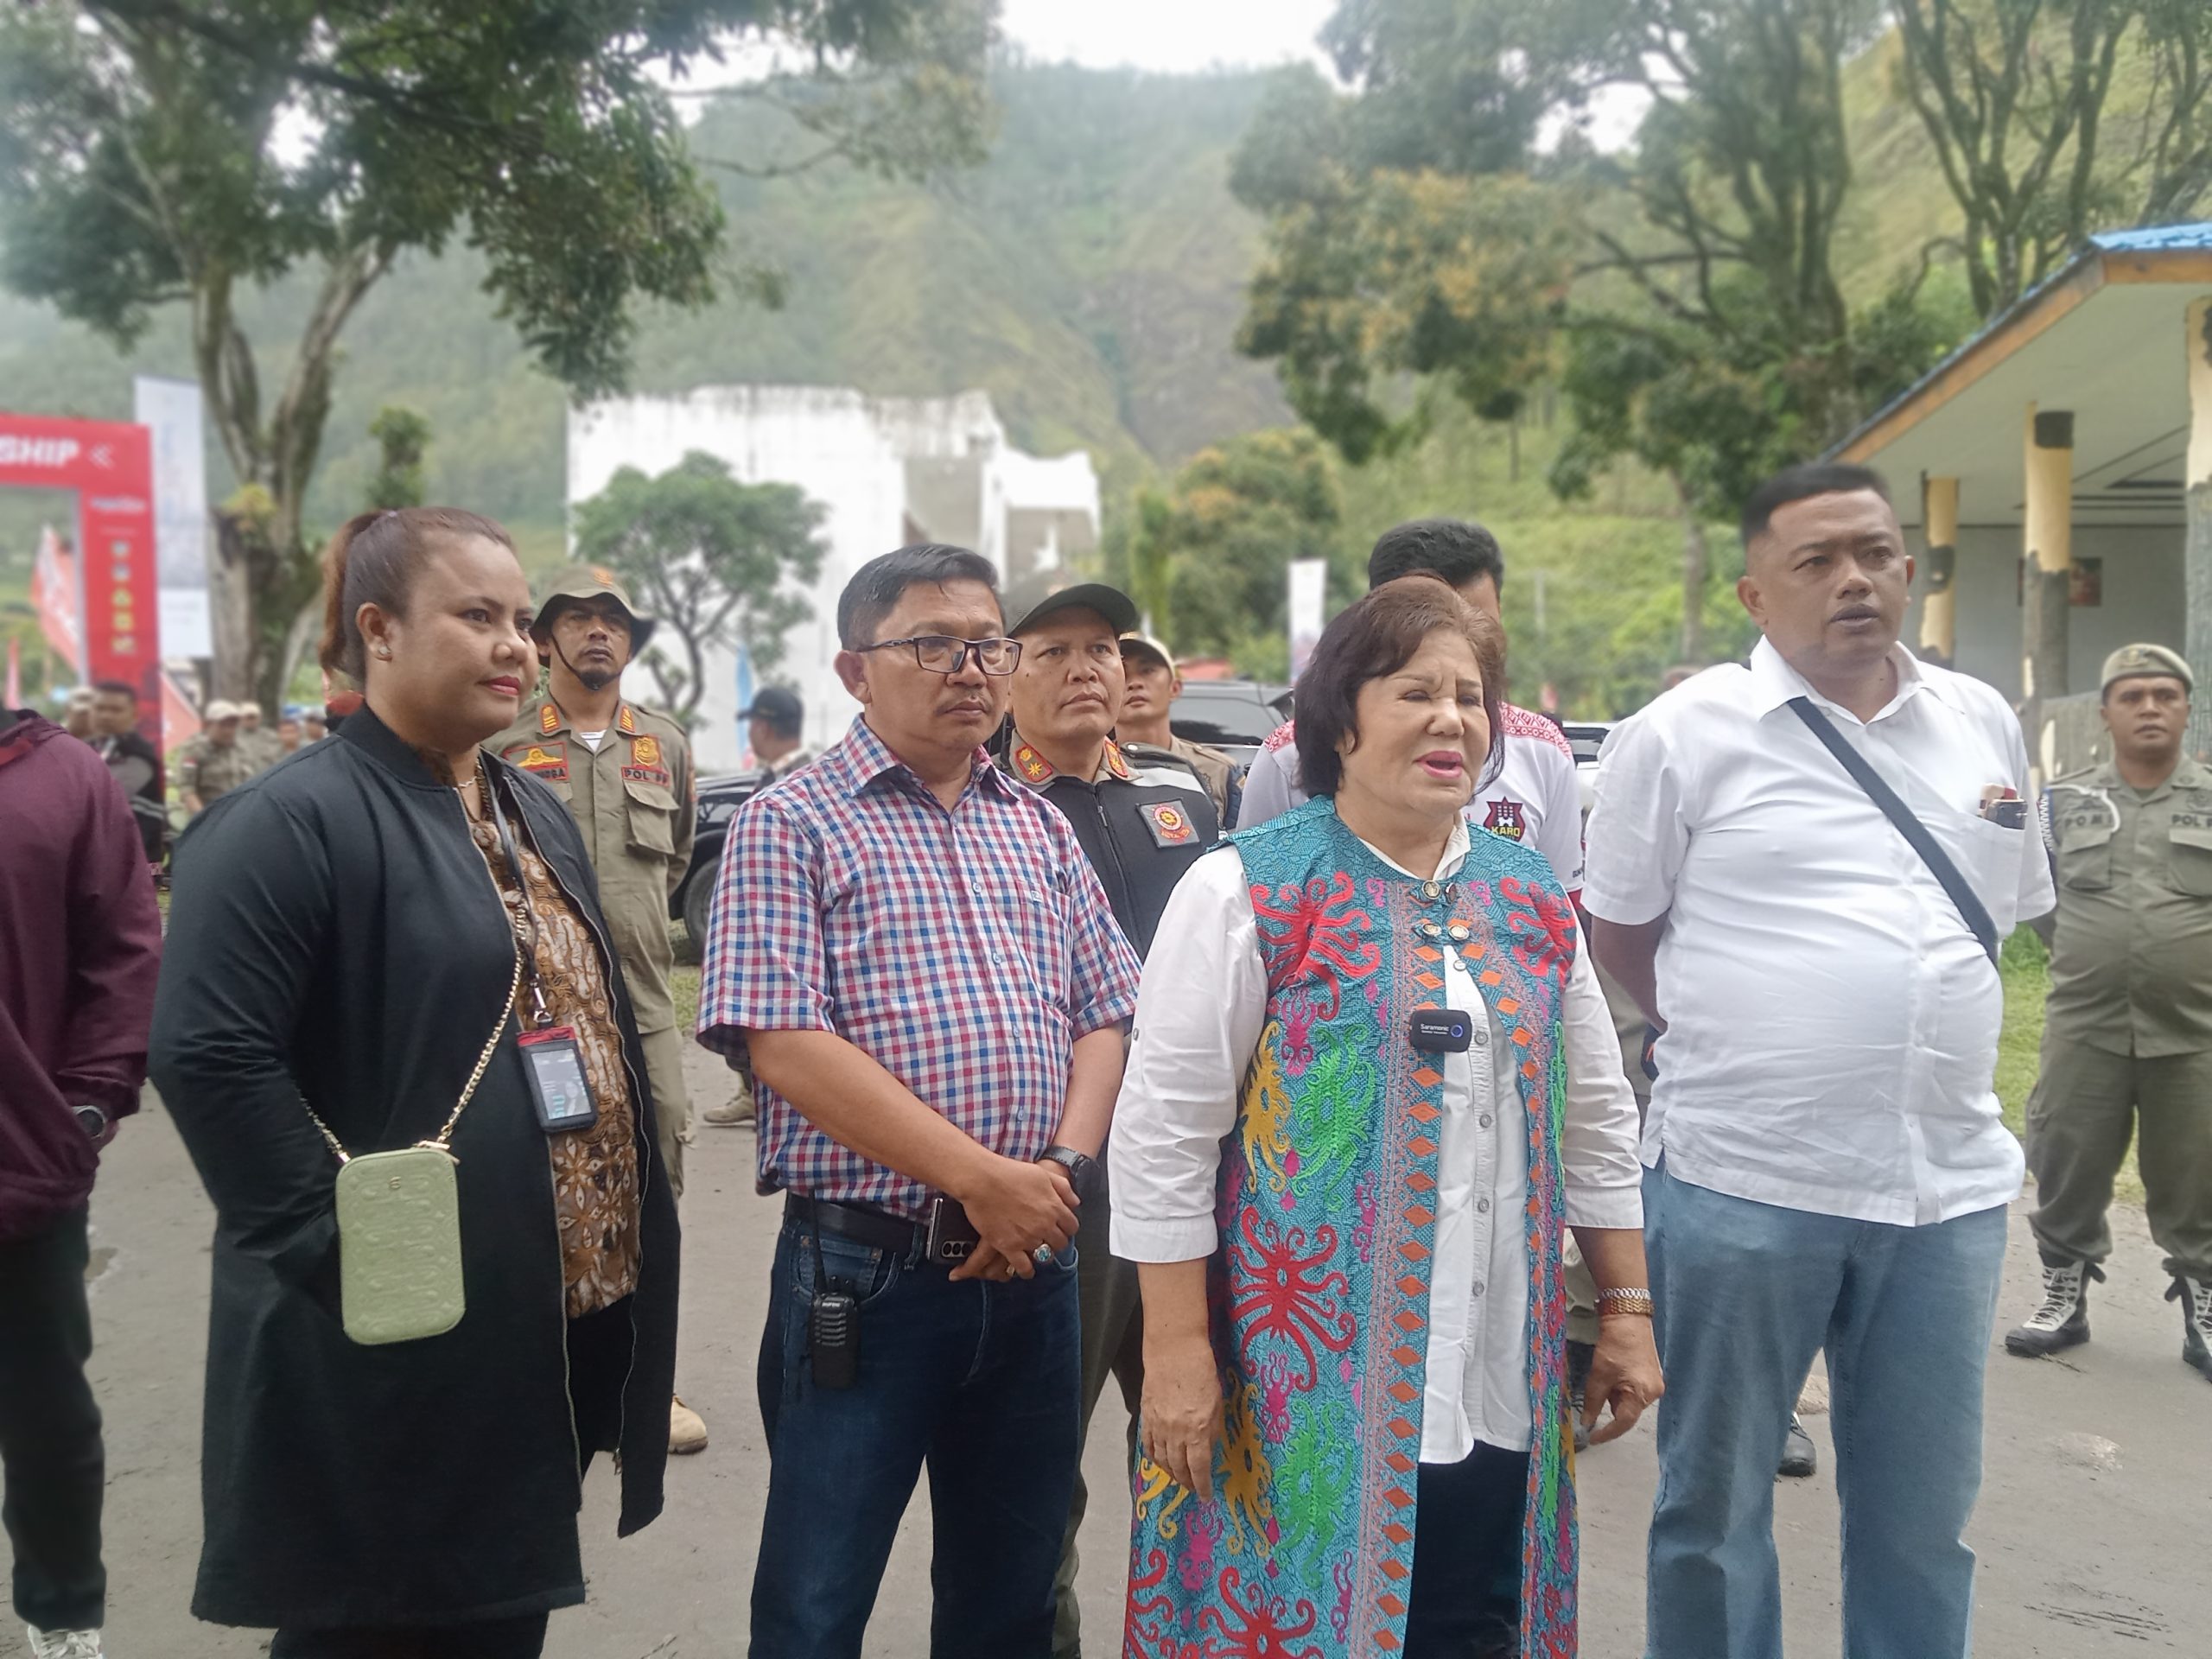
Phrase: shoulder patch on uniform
pixel 1116 765
pixel 1034 767
pixel 549 718
pixel 625 720
pixel 1170 824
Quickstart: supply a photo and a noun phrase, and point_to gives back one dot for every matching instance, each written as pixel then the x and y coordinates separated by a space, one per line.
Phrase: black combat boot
pixel 2195 1296
pixel 2063 1321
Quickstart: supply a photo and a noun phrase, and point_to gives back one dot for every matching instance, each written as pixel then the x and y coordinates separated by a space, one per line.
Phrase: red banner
pixel 109 467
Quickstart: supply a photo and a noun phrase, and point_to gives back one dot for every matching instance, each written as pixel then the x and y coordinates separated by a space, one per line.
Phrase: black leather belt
pixel 863 1225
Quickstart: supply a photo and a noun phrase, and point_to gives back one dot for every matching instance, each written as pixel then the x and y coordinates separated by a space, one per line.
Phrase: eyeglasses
pixel 940 653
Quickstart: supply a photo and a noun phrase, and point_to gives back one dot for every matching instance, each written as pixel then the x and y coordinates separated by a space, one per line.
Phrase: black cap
pixel 1111 603
pixel 774 702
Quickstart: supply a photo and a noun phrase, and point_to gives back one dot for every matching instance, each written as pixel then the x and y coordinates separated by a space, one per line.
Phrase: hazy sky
pixel 1167 34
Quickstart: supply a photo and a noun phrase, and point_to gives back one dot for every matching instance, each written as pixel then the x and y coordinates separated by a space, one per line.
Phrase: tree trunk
pixel 1697 572
pixel 266 575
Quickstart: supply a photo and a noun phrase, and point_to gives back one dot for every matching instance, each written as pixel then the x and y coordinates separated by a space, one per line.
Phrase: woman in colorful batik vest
pixel 1373 1080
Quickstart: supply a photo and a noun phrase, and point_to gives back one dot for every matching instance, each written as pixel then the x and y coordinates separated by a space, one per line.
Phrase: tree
pixel 1459 254
pixel 710 557
pixel 2014 95
pixel 1224 533
pixel 1685 294
pixel 403 436
pixel 154 151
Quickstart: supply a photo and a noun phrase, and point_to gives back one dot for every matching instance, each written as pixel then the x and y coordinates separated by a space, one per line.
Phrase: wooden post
pixel 2047 553
pixel 2197 506
pixel 1939 603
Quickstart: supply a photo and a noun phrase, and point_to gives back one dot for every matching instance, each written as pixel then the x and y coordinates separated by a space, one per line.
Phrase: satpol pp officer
pixel 2128 1031
pixel 626 773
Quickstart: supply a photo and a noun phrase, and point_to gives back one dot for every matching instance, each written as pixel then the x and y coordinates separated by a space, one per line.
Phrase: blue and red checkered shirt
pixel 963 952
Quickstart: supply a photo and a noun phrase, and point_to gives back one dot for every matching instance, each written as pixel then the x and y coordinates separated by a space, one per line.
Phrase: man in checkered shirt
pixel 933 993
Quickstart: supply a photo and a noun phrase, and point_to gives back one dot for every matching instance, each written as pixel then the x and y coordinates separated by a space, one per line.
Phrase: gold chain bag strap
pixel 399 1224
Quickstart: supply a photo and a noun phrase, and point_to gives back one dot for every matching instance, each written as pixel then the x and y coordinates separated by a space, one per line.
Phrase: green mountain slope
pixel 1089 275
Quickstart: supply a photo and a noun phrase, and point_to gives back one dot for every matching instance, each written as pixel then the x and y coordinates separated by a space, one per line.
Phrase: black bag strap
pixel 1975 912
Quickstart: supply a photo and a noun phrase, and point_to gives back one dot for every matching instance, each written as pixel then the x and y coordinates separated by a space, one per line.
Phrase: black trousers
pixel 1465 1602
pixel 497 1638
pixel 52 1462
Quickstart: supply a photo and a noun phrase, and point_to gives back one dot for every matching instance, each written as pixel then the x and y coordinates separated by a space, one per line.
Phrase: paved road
pixel 2091 1529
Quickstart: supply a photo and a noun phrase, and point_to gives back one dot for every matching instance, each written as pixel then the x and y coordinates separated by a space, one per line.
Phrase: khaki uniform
pixel 2128 1031
pixel 264 746
pixel 636 803
pixel 209 771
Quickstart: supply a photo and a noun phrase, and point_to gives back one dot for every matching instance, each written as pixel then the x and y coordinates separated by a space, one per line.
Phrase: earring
pixel 384 653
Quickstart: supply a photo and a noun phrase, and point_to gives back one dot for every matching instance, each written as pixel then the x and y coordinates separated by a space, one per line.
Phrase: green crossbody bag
pixel 399 1226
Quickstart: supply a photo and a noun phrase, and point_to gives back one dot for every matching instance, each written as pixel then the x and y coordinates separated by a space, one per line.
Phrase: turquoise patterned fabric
pixel 1319 1287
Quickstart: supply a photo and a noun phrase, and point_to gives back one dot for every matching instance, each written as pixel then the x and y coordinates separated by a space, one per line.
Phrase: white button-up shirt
pixel 1200 1016
pixel 1830 1021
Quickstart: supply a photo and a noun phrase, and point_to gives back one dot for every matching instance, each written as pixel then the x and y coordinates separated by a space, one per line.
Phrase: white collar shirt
pixel 1200 1016
pixel 1831 1021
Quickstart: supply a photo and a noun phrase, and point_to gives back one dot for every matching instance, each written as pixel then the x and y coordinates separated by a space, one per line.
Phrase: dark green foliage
pixel 712 558
pixel 154 151
pixel 405 438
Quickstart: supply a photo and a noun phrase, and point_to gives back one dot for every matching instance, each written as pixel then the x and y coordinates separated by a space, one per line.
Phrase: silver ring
pixel 1042 1255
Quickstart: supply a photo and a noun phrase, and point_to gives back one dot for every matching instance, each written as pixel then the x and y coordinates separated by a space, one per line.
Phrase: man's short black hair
pixel 1450 548
pixel 874 591
pixel 117 689
pixel 1802 484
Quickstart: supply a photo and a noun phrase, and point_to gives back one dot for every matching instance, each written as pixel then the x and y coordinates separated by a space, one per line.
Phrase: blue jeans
pixel 980 1382
pixel 1747 1294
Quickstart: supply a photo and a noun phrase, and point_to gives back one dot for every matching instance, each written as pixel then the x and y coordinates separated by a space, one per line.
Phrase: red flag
pixel 53 597
pixel 179 720
pixel 15 698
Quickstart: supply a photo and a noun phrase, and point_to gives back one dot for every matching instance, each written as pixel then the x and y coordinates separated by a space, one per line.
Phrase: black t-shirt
pixel 135 763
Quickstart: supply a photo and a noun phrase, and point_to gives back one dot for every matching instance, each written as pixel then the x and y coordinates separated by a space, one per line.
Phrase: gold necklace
pixel 479 784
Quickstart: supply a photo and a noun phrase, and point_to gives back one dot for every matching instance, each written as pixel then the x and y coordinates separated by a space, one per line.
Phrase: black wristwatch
pixel 92 1119
pixel 1080 1169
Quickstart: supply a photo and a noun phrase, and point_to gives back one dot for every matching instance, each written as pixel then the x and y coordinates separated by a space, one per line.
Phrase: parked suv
pixel 1235 716
pixel 719 799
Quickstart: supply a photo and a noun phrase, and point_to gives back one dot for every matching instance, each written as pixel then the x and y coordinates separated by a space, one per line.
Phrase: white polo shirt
pixel 1534 800
pixel 1830 1021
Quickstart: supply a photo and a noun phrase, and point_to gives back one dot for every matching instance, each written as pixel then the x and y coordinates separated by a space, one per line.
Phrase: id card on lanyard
pixel 553 1059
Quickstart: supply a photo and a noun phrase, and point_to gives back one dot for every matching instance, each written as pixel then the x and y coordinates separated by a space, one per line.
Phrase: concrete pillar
pixel 2197 498
pixel 2047 554
pixel 1939 600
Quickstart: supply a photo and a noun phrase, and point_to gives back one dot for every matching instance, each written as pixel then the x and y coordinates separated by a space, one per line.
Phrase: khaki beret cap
pixel 2132 662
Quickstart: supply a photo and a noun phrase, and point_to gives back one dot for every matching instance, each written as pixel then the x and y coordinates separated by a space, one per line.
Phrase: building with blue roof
pixel 2055 475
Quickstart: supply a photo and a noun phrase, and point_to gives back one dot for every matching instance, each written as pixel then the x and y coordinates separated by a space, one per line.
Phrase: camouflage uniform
pixel 208 769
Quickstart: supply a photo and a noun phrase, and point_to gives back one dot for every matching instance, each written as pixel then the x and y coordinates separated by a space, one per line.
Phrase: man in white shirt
pixel 1826 1165
pixel 1534 800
